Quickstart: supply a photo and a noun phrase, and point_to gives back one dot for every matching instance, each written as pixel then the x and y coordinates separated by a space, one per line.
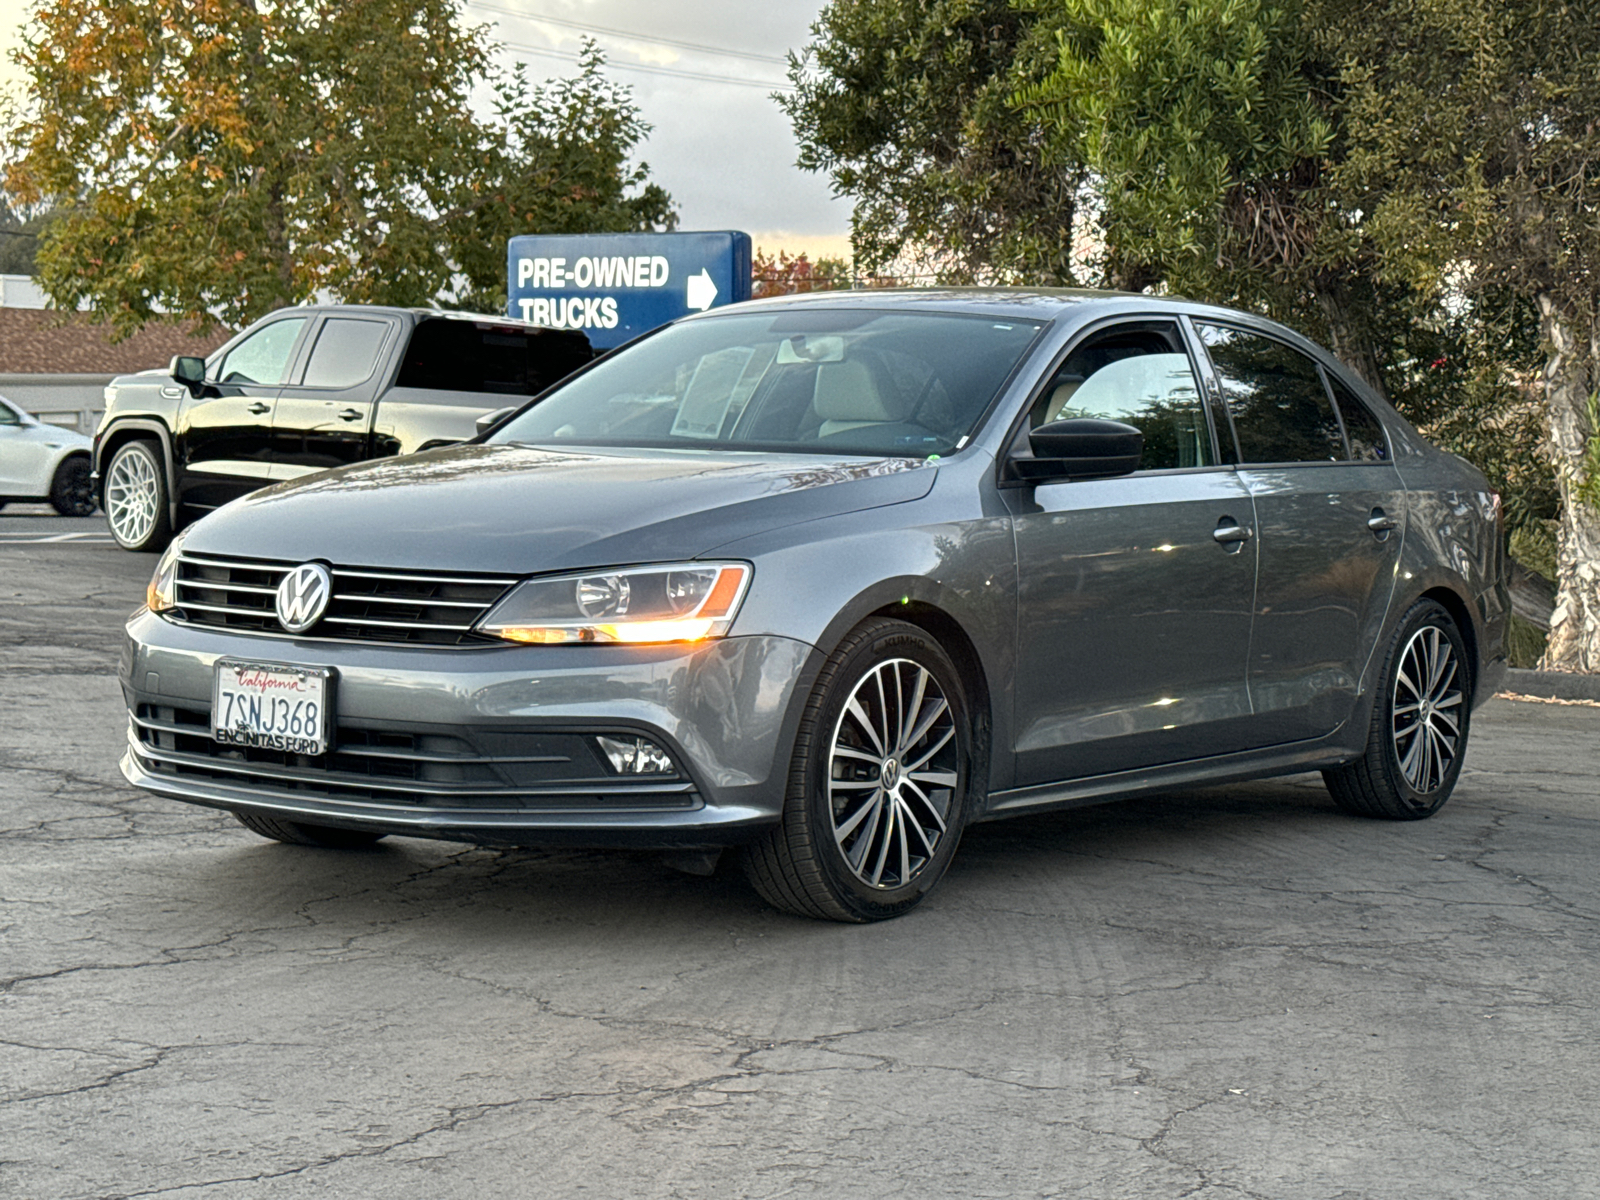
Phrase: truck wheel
pixel 298 834
pixel 878 783
pixel 1418 733
pixel 71 494
pixel 136 498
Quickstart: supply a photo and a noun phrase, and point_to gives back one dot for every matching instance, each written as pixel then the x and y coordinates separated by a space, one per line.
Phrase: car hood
pixel 519 509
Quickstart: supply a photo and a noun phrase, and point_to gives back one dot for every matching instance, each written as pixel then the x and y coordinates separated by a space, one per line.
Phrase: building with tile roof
pixel 56 365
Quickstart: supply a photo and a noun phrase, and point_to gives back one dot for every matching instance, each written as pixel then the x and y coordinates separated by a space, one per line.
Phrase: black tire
pixel 139 461
pixel 1411 764
pixel 804 864
pixel 71 493
pixel 295 833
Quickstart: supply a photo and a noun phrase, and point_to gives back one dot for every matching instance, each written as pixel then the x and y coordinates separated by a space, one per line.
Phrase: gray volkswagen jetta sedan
pixel 826 579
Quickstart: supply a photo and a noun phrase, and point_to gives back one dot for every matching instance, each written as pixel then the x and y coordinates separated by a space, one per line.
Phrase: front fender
pixel 120 430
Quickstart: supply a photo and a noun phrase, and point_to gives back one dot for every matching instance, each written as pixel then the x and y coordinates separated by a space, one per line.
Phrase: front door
pixel 1135 593
pixel 324 414
pixel 225 432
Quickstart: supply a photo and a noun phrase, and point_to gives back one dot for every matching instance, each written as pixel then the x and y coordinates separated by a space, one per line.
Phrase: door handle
pixel 1381 523
pixel 350 414
pixel 258 408
pixel 1231 535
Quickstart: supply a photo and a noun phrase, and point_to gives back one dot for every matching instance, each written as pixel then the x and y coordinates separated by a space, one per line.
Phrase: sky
pixel 723 149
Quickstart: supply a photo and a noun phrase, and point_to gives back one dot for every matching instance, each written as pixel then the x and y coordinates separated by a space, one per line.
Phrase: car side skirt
pixel 1289 759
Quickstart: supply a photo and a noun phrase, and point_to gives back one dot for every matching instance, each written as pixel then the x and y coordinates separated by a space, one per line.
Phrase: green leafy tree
pixel 1475 127
pixel 905 105
pixel 215 159
pixel 1207 125
pixel 556 159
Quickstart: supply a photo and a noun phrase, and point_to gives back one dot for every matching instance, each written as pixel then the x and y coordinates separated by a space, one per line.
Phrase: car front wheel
pixel 136 498
pixel 878 784
pixel 1418 733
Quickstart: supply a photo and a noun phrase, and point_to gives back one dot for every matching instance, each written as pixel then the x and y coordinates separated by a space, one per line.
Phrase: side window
pixel 263 357
pixel 1367 440
pixel 346 352
pixel 1281 412
pixel 1137 378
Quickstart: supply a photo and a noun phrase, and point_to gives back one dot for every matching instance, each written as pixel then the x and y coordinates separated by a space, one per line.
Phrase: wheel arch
pixel 922 602
pixel 1461 613
pixel 131 430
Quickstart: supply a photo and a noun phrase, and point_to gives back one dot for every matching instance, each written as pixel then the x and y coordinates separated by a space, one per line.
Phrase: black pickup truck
pixel 302 390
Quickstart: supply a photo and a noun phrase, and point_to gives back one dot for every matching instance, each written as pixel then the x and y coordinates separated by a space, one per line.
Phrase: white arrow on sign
pixel 702 292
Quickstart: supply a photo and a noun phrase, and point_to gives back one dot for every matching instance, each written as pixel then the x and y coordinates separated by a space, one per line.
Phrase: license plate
pixel 271 706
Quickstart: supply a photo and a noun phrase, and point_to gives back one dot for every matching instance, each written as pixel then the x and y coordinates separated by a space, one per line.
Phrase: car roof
pixel 1036 303
pixel 403 310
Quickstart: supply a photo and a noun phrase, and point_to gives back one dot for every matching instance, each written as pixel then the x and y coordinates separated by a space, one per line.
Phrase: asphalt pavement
pixel 1234 992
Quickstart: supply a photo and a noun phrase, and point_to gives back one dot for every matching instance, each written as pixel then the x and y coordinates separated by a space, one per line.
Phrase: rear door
pixel 225 433
pixel 1135 593
pixel 1331 512
pixel 325 412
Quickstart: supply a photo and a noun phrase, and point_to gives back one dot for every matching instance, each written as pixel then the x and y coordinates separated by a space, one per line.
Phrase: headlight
pixel 161 595
pixel 684 602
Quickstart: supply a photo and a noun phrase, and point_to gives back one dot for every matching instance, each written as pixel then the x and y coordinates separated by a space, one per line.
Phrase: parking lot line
pixel 37 539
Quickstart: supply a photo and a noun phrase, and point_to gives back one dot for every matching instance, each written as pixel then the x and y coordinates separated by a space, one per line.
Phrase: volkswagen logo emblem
pixel 303 597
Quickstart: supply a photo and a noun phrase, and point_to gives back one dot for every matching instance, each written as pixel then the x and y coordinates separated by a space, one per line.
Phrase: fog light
pixel 636 756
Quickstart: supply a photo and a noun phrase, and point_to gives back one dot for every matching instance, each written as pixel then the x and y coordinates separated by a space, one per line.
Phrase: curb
pixel 1556 685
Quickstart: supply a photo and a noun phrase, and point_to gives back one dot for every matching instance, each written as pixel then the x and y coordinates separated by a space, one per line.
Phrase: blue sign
pixel 615 286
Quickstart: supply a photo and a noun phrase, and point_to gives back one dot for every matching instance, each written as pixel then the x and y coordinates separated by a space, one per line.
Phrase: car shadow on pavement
pixel 464 890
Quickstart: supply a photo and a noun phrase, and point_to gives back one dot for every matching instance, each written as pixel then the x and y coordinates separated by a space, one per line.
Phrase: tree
pixel 1208 125
pixel 1477 128
pixel 785 274
pixel 215 159
pixel 19 237
pixel 556 159
pixel 905 105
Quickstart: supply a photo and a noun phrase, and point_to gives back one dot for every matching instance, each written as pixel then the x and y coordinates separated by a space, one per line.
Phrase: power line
pixel 651 69
pixel 650 38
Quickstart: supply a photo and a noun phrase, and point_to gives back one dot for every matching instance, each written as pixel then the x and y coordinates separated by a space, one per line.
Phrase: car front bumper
pixel 491 744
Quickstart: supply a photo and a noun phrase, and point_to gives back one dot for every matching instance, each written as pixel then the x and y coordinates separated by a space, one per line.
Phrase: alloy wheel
pixel 133 497
pixel 75 496
pixel 1426 709
pixel 892 773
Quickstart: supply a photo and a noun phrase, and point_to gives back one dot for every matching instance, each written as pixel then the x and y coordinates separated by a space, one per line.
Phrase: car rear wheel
pixel 71 493
pixel 878 783
pixel 1418 734
pixel 298 834
pixel 136 498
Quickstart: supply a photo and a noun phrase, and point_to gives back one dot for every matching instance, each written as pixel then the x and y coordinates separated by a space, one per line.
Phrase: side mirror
pixel 189 371
pixel 1081 448
pixel 489 420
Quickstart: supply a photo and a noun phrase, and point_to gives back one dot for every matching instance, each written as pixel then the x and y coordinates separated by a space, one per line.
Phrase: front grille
pixel 462 768
pixel 368 604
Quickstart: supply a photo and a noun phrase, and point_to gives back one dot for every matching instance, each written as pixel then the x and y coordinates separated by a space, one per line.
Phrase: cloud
pixel 725 151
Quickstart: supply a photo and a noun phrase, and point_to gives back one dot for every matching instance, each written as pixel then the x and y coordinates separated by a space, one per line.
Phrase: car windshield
pixel 821 381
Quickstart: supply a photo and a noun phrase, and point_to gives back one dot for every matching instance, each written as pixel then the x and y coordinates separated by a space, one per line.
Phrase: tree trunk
pixel 1570 376
pixel 1351 336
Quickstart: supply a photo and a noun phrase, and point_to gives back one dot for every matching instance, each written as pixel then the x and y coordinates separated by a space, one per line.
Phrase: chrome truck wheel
pixel 136 498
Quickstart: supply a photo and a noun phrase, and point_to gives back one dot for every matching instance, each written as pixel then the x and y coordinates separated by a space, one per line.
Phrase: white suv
pixel 43 462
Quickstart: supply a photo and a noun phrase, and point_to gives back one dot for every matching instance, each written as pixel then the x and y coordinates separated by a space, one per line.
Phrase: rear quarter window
pixel 455 355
